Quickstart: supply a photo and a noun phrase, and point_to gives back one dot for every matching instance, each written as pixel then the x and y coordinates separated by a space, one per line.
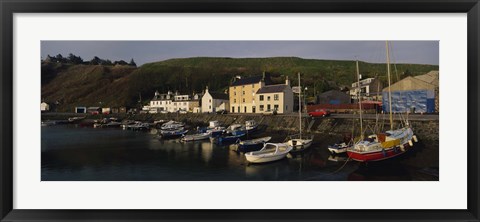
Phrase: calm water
pixel 71 153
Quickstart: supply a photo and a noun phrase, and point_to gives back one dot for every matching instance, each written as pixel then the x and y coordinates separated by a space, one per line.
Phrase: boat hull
pixel 378 155
pixel 255 159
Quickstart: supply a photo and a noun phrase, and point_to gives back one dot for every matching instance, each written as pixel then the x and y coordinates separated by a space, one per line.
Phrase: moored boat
pixel 230 139
pixel 299 142
pixel 270 152
pixel 338 148
pixel 166 134
pixel 252 145
pixel 382 146
pixel 251 126
pixel 196 137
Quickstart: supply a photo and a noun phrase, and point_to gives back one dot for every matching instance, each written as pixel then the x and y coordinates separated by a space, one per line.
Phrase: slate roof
pixel 272 89
pixel 252 80
pixel 217 95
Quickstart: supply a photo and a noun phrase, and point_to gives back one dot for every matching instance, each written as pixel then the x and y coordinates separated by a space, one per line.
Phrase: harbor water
pixel 72 153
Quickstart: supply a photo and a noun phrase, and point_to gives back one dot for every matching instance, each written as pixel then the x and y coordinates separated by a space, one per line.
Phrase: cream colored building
pixel 44 107
pixel 242 93
pixel 257 94
pixel 277 98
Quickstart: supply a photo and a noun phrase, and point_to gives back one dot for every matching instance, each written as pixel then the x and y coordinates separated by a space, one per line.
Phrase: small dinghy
pixel 270 152
pixel 230 139
pixel 252 145
pixel 165 134
pixel 195 137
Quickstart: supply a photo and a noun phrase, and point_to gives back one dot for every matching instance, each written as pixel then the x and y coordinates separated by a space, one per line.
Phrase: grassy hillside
pixel 98 85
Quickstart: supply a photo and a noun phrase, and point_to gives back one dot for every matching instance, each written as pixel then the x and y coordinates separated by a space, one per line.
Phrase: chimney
pixel 287 82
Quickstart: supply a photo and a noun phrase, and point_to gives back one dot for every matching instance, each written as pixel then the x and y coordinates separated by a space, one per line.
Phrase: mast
pixel 359 101
pixel 300 106
pixel 389 86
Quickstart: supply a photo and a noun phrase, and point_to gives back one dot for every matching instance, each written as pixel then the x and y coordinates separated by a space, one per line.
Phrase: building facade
pixel 370 88
pixel 214 101
pixel 242 93
pixel 44 107
pixel 277 98
pixel 417 94
pixel 170 102
pixel 258 94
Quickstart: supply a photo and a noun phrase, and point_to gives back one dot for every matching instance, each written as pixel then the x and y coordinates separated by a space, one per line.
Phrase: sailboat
pixel 383 145
pixel 299 142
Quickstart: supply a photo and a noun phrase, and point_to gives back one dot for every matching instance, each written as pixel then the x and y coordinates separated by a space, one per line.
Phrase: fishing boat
pixel 270 152
pixel 384 145
pixel 172 125
pixel 252 145
pixel 338 148
pixel 251 126
pixel 299 142
pixel 139 126
pixel 196 137
pixel 230 139
pixel 167 134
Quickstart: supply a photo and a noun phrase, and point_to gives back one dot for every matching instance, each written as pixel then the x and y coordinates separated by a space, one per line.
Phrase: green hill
pixel 97 85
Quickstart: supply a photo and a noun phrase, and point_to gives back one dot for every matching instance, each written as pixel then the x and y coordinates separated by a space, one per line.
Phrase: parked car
pixel 270 112
pixel 319 113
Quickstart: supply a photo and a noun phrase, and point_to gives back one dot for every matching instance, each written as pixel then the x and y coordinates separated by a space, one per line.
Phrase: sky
pixel 415 52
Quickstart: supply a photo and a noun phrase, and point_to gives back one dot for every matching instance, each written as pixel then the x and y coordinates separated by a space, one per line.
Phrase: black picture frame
pixel 9 7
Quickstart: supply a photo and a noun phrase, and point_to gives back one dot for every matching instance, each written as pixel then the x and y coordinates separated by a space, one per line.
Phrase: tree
pixel 74 59
pixel 95 61
pixel 132 63
pixel 59 58
pixel 121 62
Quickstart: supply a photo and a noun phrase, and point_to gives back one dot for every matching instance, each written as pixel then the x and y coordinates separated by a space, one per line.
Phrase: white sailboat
pixel 299 142
pixel 384 145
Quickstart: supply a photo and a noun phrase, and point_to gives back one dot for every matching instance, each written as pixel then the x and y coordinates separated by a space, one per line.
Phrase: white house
pixel 214 101
pixel 44 107
pixel 170 102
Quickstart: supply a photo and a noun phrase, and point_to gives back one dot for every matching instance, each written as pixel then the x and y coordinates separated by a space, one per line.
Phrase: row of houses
pixel 256 94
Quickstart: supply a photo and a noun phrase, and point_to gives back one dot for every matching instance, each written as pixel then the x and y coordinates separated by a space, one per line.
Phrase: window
pixel 286 108
pixel 243 92
pixel 275 97
pixel 243 100
pixel 209 107
pixel 233 109
pixel 253 109
pixel 261 108
pixel 268 107
pixel 184 103
pixel 268 98
pixel 261 97
pixel 209 100
pixel 275 107
pixel 234 93
pixel 234 100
